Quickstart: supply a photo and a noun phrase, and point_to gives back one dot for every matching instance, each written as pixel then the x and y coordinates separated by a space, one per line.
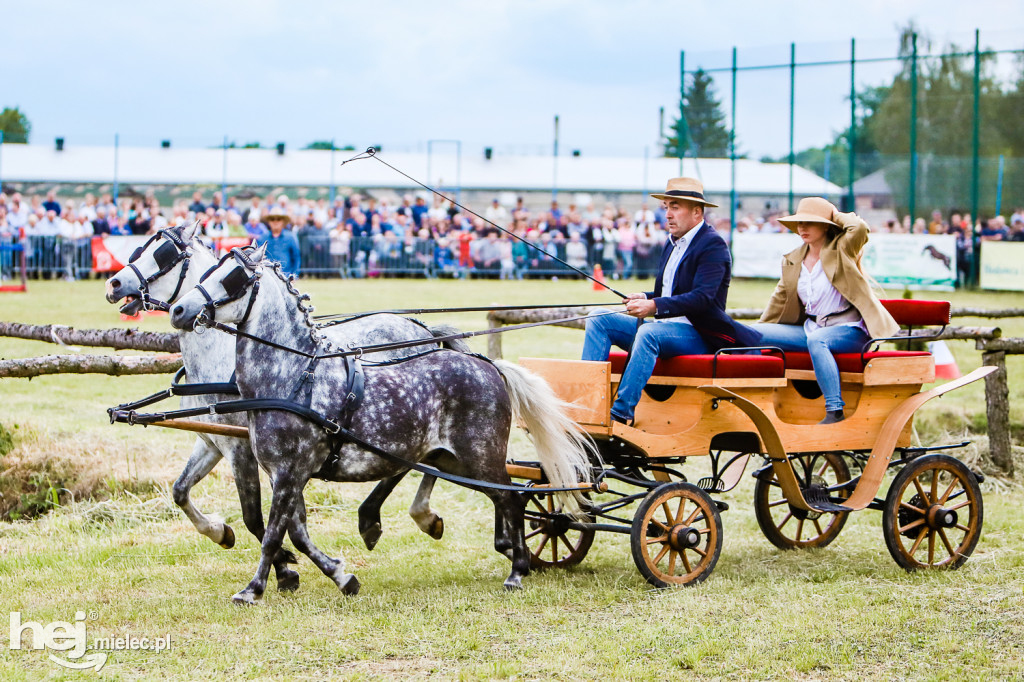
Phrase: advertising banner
pixel 1002 265
pixel 111 253
pixel 915 261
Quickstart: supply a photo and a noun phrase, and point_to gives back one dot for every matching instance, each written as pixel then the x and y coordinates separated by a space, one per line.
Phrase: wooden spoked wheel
pixel 933 514
pixel 676 535
pixel 552 543
pixel 788 527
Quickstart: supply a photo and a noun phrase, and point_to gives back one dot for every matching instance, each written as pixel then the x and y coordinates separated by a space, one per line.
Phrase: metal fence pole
pixel 224 172
pixel 732 157
pixel 330 200
pixel 1 160
pixel 999 186
pixel 975 125
pixel 683 125
pixel 116 145
pixel 554 165
pixel 912 203
pixel 792 114
pixel 852 139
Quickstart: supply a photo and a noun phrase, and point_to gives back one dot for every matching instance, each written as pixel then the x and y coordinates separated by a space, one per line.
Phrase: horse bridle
pixel 167 256
pixel 234 285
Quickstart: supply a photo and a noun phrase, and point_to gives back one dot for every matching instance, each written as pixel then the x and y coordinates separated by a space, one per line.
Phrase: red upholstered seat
pixel 701 366
pixel 849 362
pixel 910 313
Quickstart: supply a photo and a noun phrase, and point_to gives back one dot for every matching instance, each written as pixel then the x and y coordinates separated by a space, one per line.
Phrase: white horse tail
pixel 562 447
pixel 460 345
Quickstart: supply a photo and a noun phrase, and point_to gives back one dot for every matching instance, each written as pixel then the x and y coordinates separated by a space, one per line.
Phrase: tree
pixel 320 144
pixel 15 125
pixel 700 128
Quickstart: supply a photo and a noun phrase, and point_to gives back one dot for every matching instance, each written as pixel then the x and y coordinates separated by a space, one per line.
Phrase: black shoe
pixel 832 417
pixel 621 420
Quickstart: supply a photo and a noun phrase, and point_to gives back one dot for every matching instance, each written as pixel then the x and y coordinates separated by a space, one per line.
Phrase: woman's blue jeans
pixel 820 344
pixel 647 343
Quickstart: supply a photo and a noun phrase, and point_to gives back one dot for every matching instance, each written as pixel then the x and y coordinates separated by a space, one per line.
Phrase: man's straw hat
pixel 685 189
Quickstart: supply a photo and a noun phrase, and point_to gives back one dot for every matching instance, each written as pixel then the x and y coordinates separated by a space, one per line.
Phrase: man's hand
pixel 639 306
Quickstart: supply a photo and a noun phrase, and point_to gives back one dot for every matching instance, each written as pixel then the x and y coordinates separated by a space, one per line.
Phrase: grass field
pixel 129 560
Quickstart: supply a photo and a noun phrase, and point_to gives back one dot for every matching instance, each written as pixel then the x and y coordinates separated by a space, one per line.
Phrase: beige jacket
pixel 839 261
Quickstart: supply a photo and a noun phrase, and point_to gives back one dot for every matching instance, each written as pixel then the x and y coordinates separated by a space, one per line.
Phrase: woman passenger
pixel 824 303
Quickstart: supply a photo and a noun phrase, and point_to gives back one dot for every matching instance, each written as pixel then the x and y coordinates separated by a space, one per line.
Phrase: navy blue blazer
pixel 700 288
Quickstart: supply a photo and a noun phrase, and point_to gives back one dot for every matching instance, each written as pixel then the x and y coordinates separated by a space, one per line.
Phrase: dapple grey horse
pixel 167 267
pixel 447 409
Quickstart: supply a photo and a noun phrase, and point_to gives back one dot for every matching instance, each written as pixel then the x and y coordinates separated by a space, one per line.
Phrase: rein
pixel 203 322
pixel 338 318
pixel 371 153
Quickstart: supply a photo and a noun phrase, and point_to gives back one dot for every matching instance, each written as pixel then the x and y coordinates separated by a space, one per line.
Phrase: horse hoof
pixel 245 598
pixel 513 584
pixel 348 584
pixel 436 528
pixel 287 581
pixel 227 541
pixel 372 535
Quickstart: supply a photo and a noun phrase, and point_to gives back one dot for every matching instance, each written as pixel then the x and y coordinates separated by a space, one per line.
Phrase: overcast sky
pixel 488 73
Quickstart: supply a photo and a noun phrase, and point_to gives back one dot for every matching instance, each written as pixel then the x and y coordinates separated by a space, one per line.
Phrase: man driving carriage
pixel 687 304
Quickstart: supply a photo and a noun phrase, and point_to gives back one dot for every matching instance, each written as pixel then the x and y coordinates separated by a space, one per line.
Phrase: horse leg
pixel 287 488
pixel 509 508
pixel 502 539
pixel 420 511
pixel 369 510
pixel 247 482
pixel 204 458
pixel 332 568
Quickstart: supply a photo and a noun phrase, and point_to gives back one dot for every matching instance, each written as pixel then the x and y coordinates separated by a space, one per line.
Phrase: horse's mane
pixel 300 299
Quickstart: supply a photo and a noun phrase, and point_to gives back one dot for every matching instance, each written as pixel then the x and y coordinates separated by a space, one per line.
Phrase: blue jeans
pixel 820 344
pixel 647 343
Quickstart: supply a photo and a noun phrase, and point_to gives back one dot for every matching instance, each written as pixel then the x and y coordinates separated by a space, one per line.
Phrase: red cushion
pixel 701 366
pixel 849 362
pixel 908 312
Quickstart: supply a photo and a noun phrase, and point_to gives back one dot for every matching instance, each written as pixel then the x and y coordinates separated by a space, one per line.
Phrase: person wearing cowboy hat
pixel 282 245
pixel 824 302
pixel 687 304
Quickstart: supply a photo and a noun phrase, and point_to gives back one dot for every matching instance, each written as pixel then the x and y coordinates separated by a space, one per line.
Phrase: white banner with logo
pixel 915 261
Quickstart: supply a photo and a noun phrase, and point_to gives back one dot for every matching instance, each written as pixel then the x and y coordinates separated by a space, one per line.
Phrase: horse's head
pixel 155 272
pixel 225 293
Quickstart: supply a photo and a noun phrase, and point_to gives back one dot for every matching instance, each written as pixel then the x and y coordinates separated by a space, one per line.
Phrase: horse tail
pixel 448 330
pixel 563 448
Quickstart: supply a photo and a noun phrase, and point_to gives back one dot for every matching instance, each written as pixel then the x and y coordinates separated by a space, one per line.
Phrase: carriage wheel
pixel 552 543
pixel 677 535
pixel 933 514
pixel 788 527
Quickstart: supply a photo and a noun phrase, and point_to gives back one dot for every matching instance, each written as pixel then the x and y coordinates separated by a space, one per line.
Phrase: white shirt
pixel 821 298
pixel 674 259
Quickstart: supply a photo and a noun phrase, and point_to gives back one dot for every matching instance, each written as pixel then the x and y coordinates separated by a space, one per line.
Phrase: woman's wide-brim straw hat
pixel 685 189
pixel 275 214
pixel 811 210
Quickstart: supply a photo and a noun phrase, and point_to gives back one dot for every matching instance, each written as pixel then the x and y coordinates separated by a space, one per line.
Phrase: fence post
pixel 852 140
pixel 913 132
pixel 494 340
pixel 975 125
pixel 792 114
pixel 998 411
pixel 732 158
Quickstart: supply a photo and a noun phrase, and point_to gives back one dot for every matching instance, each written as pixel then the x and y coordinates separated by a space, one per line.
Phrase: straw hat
pixel 686 189
pixel 276 213
pixel 811 210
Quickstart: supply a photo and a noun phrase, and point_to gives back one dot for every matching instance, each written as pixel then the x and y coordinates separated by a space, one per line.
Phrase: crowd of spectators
pixel 361 236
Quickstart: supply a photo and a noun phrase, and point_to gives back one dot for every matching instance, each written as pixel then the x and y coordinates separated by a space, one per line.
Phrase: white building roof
pixel 144 165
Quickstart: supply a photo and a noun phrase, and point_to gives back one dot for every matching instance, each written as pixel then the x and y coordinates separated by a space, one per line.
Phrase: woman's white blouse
pixel 821 298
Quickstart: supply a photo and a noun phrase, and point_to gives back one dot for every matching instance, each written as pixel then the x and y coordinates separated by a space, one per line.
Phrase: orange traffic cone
pixel 598 278
pixel 945 363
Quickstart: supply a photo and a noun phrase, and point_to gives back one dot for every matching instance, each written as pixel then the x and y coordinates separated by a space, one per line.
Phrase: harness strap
pixel 178 388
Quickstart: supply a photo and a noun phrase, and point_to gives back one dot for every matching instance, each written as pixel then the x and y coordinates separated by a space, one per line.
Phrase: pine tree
pixel 700 129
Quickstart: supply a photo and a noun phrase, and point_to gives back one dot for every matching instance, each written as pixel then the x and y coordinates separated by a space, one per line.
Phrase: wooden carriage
pixel 731 407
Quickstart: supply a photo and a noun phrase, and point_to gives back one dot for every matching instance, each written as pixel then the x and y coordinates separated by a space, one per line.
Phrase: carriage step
pixel 711 485
pixel 818 499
